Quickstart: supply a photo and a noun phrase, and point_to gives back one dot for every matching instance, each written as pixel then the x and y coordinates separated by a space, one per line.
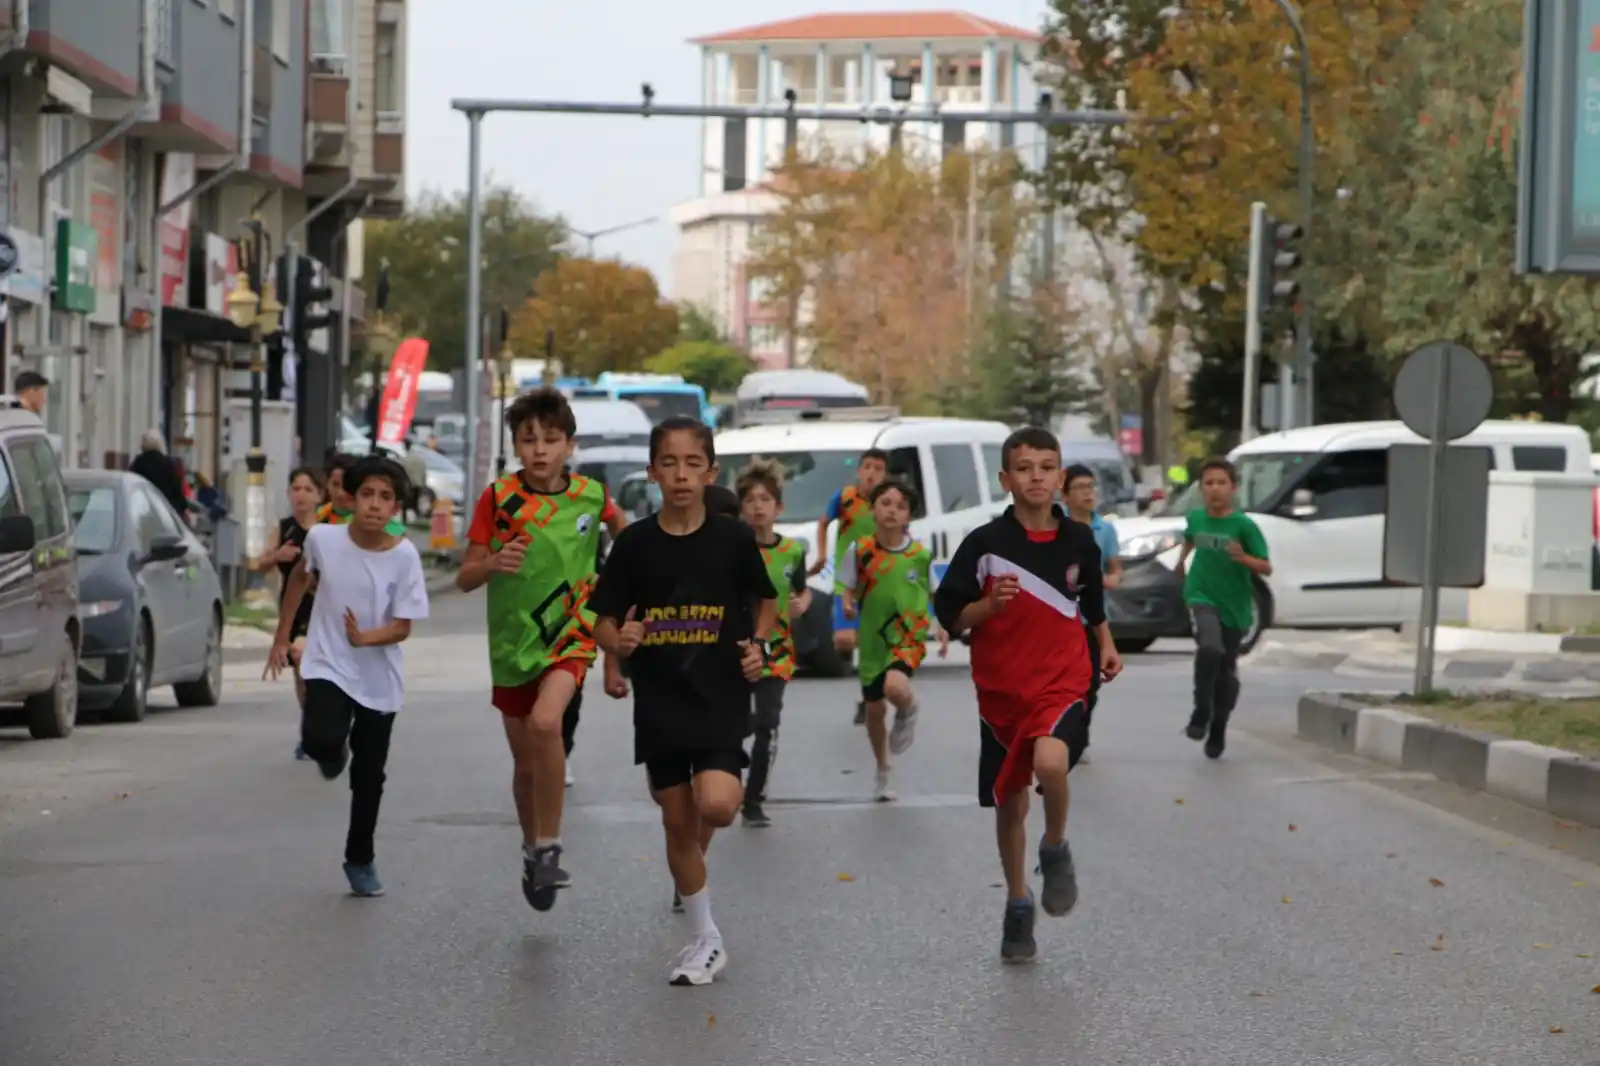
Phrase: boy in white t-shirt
pixel 370 589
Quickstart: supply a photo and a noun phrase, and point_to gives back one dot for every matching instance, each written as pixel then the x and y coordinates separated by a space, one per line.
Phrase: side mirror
pixel 1302 504
pixel 166 548
pixel 16 534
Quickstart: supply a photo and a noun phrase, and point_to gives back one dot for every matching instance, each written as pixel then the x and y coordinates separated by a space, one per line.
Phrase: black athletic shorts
pixel 1072 729
pixel 872 691
pixel 671 769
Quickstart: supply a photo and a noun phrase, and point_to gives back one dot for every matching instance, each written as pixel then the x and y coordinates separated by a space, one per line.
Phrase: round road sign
pixel 1448 375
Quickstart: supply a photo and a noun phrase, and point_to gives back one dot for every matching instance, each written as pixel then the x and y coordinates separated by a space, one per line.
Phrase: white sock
pixel 698 908
pixel 547 842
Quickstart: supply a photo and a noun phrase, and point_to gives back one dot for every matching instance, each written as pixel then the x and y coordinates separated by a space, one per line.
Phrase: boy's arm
pixel 613 517
pixel 959 603
pixel 410 604
pixel 844 580
pixel 293 593
pixel 1253 548
pixel 756 584
pixel 478 562
pixel 611 597
pixel 822 533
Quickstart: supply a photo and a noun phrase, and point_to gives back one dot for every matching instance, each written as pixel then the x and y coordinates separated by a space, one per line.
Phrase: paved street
pixel 181 903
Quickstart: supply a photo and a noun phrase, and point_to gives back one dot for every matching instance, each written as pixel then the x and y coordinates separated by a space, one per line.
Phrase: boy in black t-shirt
pixel 674 599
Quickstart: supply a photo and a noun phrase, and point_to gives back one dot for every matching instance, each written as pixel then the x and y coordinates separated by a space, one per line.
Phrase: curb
pixel 1547 779
pixel 1583 644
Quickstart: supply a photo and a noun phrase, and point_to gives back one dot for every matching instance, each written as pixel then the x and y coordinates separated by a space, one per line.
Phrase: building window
pixel 763 337
pixel 328 46
pixel 386 74
pixel 282 28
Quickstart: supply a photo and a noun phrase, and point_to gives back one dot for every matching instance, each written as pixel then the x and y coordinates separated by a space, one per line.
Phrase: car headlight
pixel 98 608
pixel 1148 544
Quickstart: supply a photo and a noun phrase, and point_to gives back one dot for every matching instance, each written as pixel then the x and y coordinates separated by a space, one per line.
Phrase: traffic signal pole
pixel 1260 269
pixel 883 114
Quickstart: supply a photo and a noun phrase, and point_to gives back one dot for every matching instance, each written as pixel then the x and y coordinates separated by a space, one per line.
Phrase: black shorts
pixel 1072 730
pixel 674 768
pixel 872 691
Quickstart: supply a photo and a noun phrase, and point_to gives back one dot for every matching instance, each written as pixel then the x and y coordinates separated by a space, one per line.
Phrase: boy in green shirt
pixel 1219 587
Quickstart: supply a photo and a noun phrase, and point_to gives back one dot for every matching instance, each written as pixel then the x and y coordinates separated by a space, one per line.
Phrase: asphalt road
pixel 181 902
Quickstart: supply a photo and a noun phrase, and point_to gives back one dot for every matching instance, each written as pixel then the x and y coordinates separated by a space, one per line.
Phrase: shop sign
pixel 77 249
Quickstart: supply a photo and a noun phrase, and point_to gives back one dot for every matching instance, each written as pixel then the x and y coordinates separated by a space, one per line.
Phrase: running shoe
pixel 904 731
pixel 542 875
pixel 1216 740
pixel 1196 729
pixel 882 791
pixel 677 902
pixel 363 878
pixel 300 753
pixel 700 962
pixel 861 714
pixel 570 779
pixel 1060 893
pixel 755 817
pixel 1016 932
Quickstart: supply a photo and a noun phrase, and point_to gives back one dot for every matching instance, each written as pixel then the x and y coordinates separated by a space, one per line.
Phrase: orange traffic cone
pixel 442 529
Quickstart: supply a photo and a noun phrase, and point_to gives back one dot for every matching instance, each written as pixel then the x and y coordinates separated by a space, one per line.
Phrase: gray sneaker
pixel 542 875
pixel 363 878
pixel 1016 932
pixel 904 731
pixel 1060 893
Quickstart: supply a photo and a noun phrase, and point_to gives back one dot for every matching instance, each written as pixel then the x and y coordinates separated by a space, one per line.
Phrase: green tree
pixel 714 366
pixel 1026 369
pixel 698 324
pixel 603 315
pixel 426 252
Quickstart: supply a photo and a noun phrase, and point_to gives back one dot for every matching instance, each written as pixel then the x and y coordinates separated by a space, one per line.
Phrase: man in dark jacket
pixel 156 466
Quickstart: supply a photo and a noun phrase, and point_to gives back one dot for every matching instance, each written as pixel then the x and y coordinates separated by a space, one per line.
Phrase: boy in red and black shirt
pixel 1028 587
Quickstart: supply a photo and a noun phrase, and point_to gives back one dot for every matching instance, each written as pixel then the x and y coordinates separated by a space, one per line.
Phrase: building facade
pixel 957 63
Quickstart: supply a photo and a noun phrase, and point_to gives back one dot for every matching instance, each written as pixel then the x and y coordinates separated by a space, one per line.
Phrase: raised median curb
pixel 1547 779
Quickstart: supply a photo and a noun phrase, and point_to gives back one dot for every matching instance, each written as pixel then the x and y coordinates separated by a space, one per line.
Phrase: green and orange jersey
pixel 854 511
pixel 328 514
pixel 786 569
pixel 892 589
pixel 539 616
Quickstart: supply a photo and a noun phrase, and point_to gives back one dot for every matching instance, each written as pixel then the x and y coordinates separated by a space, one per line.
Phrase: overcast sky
pixel 598 171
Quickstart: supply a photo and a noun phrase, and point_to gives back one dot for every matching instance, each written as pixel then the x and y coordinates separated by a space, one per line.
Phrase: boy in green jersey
pixel 1228 552
pixel 852 507
pixel 534 540
pixel 760 488
pixel 887 580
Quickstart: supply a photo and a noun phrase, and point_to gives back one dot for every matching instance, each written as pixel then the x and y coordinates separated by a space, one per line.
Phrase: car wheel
pixel 1134 647
pixel 424 506
pixel 1262 619
pixel 52 714
pixel 133 702
pixel 205 690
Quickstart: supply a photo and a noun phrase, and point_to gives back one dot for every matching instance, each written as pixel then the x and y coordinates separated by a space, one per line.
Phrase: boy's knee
pixel 717 812
pixel 1050 758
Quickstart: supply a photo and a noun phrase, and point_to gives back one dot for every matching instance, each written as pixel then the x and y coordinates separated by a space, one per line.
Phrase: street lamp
pixel 591 237
pixel 251 307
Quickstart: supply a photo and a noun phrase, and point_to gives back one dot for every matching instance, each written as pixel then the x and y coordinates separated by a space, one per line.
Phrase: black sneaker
pixel 1216 742
pixel 1060 893
pixel 334 767
pixel 677 902
pixel 861 714
pixel 1016 932
pixel 755 817
pixel 1196 729
pixel 542 875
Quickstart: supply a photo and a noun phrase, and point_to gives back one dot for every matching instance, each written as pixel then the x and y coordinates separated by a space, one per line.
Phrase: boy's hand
pixel 816 568
pixel 1236 551
pixel 1110 663
pixel 615 684
pixel 352 629
pixel 1002 591
pixel 286 553
pixel 848 607
pixel 944 644
pixel 508 560
pixel 752 660
pixel 801 604
pixel 277 661
pixel 630 634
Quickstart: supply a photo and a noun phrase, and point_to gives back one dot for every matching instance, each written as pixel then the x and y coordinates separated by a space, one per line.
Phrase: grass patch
pixel 1573 724
pixel 262 616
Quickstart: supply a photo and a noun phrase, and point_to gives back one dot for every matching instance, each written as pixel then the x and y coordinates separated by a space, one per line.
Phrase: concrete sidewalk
pixel 1513 658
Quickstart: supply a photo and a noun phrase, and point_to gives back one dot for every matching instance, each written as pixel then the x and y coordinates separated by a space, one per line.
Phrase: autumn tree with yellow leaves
pixel 601 314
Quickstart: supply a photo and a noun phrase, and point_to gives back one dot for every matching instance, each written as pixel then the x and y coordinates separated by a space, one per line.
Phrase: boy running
pixel 1219 587
pixel 852 506
pixel 341 502
pixel 534 539
pixel 886 580
pixel 1028 586
pixel 1083 507
pixel 370 588
pixel 675 599
pixel 760 488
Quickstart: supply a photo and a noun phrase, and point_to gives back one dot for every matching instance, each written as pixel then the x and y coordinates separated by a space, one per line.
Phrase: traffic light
pixel 1281 280
pixel 307 311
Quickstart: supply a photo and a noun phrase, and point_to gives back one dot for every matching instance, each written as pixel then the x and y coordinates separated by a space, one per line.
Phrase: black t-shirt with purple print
pixel 694 595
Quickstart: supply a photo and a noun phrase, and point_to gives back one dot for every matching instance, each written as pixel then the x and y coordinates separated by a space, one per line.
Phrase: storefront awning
pixel 200 327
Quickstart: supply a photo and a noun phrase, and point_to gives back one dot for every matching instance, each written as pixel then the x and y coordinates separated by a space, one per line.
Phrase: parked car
pixel 150 603
pixel 445 480
pixel 39 629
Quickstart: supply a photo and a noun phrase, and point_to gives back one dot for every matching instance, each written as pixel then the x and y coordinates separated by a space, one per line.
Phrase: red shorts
pixel 516 701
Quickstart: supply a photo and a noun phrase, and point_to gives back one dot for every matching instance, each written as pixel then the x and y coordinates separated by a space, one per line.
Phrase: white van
pixel 952 463
pixel 794 390
pixel 1319 494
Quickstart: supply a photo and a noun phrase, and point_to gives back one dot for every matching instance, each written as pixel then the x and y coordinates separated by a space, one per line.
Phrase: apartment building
pixel 960 63
pixel 137 137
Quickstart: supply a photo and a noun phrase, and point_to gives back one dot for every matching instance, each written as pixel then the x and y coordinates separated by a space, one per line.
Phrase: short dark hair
pixel 1076 471
pixel 377 467
pixel 546 406
pixel 338 462
pixel 721 500
pixel 874 453
pixel 30 379
pixel 895 485
pixel 766 473
pixel 305 471
pixel 1217 462
pixel 1035 437
pixel 683 424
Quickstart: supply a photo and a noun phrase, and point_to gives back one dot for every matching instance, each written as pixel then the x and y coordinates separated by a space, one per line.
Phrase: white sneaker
pixel 700 962
pixel 570 779
pixel 904 731
pixel 882 792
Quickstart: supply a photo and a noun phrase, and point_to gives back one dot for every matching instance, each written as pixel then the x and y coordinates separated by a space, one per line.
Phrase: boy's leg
pixel 325 725
pixel 569 732
pixel 369 757
pixel 768 698
pixel 1011 834
pixel 674 786
pixel 897 691
pixel 1093 699
pixel 557 687
pixel 1053 758
pixel 1208 654
pixel 877 711
pixel 1227 692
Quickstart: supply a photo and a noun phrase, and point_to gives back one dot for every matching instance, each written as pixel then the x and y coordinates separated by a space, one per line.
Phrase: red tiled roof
pixel 873 26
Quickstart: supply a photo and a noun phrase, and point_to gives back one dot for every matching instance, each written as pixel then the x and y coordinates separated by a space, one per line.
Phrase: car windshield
pixel 1261 475
pixel 94 519
pixel 810 479
pixel 611 474
pixel 430 405
pixel 660 406
pixel 622 440
pixel 442 464
pixel 450 427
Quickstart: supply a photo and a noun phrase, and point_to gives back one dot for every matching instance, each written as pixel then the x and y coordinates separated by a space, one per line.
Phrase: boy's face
pixel 1081 494
pixel 376 504
pixel 1032 476
pixel 682 469
pixel 892 511
pixel 1216 487
pixel 870 473
pixel 336 495
pixel 543 450
pixel 759 508
pixel 303 495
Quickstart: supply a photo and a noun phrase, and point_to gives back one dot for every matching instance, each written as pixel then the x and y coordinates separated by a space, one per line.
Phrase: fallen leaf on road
pixel 1288 899
pixel 1264 995
pixel 1292 827
pixel 1566 825
pixel 46 813
pixel 1397 953
pixel 1438 943
pixel 1391 854
pixel 1435 882
pixel 122 795
pixel 1558 847
pixel 1585 955
pixel 1507 843
pixel 1595 990
pixel 711 1019
pixel 1178 801
pixel 847 877
pixel 1542 947
pixel 1557 1029
pixel 1579 884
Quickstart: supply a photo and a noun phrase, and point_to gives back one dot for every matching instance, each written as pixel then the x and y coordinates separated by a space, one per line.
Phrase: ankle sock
pixel 698 908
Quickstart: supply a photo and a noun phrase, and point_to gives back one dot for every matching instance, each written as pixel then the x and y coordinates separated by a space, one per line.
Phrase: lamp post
pixel 590 236
pixel 503 391
pixel 252 307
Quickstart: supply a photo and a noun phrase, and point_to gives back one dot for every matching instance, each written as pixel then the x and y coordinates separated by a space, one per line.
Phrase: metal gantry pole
pixel 474 301
pixel 1259 239
pixel 1302 354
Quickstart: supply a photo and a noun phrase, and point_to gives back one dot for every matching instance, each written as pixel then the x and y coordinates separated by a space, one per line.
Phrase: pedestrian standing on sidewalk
pixel 1228 552
pixel 1082 498
pixel 1027 585
pixel 685 598
pixel 370 588
pixel 760 488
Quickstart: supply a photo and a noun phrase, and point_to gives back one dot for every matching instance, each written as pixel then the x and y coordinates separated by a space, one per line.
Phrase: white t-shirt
pixel 380 587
